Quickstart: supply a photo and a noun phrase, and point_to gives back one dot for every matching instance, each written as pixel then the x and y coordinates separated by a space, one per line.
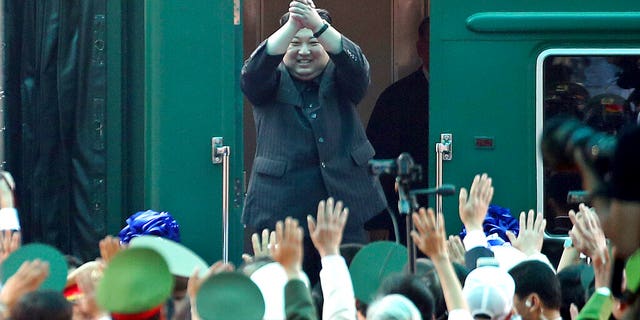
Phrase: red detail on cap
pixel 137 316
pixel 72 292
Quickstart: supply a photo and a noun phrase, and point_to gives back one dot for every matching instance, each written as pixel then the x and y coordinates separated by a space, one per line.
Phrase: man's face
pixel 305 58
pixel 622 226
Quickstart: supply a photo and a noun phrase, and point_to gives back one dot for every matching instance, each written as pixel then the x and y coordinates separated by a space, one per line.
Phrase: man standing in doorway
pixel 400 123
pixel 304 82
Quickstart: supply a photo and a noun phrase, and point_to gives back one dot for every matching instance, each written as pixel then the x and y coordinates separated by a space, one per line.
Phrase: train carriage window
pixel 600 89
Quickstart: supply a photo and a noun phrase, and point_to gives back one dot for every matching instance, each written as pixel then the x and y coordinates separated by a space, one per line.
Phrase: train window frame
pixel 539 105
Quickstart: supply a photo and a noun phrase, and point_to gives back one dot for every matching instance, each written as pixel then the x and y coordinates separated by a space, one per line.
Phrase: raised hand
pixel 429 236
pixel 28 278
pixel 531 235
pixel 456 249
pixel 288 250
pixel 303 12
pixel 473 206
pixel 109 247
pixel 586 234
pixel 588 237
pixel 261 245
pixel 87 280
pixel 9 242
pixel 326 232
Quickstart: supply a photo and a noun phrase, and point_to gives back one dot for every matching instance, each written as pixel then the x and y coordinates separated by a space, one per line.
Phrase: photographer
pixel 615 196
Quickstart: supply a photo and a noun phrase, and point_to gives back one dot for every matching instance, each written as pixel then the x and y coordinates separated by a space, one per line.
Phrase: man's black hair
pixel 534 276
pixel 42 305
pixel 572 288
pixel 413 288
pixel 324 14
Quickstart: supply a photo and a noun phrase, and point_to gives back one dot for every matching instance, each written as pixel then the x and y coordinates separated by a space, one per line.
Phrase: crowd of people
pixel 135 281
pixel 304 82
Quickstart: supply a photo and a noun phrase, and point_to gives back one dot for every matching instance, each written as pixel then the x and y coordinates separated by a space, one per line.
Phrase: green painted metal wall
pixel 483 81
pixel 186 76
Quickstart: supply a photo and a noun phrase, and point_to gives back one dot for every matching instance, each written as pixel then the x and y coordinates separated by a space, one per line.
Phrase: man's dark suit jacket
pixel 289 180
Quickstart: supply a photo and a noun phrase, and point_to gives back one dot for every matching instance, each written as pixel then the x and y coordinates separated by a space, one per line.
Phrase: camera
pixel 403 167
pixel 563 136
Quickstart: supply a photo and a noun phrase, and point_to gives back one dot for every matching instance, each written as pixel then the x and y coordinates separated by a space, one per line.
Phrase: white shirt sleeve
pixel 460 314
pixel 475 238
pixel 337 289
pixel 9 219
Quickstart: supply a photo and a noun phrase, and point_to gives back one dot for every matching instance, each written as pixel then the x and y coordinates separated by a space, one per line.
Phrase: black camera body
pixel 563 136
pixel 406 170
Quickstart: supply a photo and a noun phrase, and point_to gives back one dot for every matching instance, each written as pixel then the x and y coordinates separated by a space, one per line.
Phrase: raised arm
pixel 326 234
pixel 472 208
pixel 289 253
pixel 304 15
pixel 430 237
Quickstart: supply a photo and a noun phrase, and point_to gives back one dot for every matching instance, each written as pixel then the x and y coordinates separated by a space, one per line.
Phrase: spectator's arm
pixel 472 206
pixel 28 278
pixel 288 252
pixel 430 237
pixel 570 256
pixel 588 238
pixel 326 234
pixel 10 236
pixel 598 307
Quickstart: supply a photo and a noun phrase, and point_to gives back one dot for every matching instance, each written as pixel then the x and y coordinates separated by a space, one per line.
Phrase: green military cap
pixel 135 280
pixel 181 260
pixel 230 295
pixel 57 278
pixel 372 264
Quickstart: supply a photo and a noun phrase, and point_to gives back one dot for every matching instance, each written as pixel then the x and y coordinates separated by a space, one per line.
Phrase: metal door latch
pixel 446 146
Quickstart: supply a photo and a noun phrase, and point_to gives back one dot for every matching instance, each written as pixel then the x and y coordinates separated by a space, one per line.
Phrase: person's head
pixel 622 224
pixel 426 271
pixel 572 285
pixel 422 44
pixel 393 307
pixel 306 58
pixel 45 304
pixel 411 287
pixel 537 289
pixel 488 291
pixel 124 288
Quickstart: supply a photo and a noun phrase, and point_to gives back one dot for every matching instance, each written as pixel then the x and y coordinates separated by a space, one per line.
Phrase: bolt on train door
pixel 500 69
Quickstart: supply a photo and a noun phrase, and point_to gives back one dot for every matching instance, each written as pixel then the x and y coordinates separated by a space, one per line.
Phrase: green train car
pixel 178 135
